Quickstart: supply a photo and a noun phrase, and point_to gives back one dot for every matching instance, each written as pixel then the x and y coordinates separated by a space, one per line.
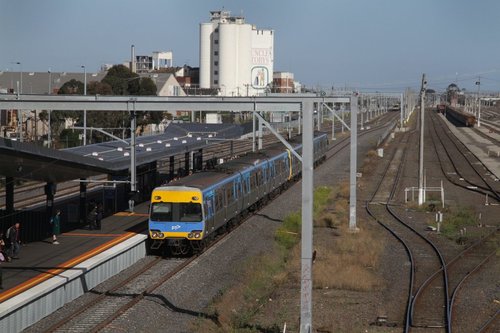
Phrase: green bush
pixel 456 220
pixel 288 234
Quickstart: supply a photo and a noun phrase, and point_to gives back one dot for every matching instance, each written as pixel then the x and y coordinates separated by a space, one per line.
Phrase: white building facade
pixel 235 57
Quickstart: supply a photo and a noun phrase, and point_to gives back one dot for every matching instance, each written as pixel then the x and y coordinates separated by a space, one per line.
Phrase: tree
pixel 72 87
pixel 99 88
pixel 122 80
pixel 147 87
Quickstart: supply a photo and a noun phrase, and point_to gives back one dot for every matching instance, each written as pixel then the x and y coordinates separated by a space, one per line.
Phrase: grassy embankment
pixel 344 261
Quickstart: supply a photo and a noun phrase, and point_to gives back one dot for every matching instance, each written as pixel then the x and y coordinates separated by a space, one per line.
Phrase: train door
pixel 231 202
pixel 220 209
pixel 208 201
pixel 245 186
pixel 265 180
pixel 238 195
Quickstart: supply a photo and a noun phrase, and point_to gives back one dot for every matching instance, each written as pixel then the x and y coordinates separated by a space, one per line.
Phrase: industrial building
pixel 283 83
pixel 235 57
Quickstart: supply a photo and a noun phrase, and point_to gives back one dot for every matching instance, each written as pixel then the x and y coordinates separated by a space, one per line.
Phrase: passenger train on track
pixel 188 213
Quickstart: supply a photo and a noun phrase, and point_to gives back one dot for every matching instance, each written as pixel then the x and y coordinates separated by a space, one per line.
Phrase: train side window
pixel 219 200
pixel 247 185
pixel 229 193
pixel 237 189
pixel 253 180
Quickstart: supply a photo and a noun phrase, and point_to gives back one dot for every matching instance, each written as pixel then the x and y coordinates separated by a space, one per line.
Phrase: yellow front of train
pixel 176 212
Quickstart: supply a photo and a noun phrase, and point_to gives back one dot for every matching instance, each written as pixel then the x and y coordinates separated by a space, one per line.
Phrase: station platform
pixel 44 268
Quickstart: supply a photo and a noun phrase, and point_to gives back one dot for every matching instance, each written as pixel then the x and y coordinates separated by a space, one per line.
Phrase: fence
pixel 34 224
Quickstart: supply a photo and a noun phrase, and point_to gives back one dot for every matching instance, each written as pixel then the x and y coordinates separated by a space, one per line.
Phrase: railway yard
pixel 398 273
pixel 251 167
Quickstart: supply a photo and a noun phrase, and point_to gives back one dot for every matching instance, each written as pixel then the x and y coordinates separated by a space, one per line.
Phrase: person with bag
pixel 56 226
pixel 13 235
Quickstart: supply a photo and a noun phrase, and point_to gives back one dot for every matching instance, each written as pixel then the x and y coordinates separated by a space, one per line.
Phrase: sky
pixel 368 45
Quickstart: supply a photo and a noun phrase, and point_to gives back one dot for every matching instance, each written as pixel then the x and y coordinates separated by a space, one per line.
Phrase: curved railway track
pixel 457 160
pixel 106 306
pixel 424 256
pixel 432 281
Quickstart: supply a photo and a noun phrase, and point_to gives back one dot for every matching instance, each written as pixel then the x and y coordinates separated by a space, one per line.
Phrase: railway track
pixel 458 163
pixel 486 136
pixel 107 305
pixel 32 193
pixel 434 285
pixel 460 269
pixel 425 258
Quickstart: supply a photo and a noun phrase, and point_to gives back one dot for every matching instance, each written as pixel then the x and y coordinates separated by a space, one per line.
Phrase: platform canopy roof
pixel 29 161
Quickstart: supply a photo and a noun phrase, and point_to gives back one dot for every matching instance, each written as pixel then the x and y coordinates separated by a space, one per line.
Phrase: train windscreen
pixel 176 212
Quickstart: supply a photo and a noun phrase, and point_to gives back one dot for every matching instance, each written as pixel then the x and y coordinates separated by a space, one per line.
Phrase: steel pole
pixel 353 168
pixel 84 111
pixel 479 102
pixel 333 123
pixel 401 108
pixel 421 154
pixel 259 147
pixel 253 130
pixel 49 134
pixel 307 219
pixel 133 180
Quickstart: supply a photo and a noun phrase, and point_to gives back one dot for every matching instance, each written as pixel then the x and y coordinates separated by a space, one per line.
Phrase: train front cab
pixel 176 216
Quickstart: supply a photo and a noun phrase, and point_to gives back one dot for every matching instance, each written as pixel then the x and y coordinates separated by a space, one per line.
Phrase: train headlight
pixel 190 235
pixel 197 235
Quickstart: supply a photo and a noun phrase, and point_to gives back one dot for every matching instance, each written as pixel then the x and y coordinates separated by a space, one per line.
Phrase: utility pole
pixel 421 160
pixel 307 219
pixel 478 83
pixel 133 180
pixel 401 112
pixel 84 111
pixel 353 162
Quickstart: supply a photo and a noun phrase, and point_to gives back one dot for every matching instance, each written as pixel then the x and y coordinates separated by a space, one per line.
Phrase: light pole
pixel 478 83
pixel 19 112
pixel 84 111
pixel 50 80
pixel 21 76
pixel 49 134
pixel 421 194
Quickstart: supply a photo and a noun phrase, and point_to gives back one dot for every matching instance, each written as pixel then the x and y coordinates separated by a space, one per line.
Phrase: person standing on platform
pixel 56 226
pixel 91 218
pixel 13 235
pixel 3 250
pixel 98 216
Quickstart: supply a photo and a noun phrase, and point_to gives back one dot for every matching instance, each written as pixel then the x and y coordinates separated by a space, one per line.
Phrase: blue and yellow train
pixel 189 212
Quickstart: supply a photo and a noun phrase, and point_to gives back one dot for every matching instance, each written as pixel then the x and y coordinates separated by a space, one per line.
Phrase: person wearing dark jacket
pixel 98 216
pixel 91 217
pixel 14 239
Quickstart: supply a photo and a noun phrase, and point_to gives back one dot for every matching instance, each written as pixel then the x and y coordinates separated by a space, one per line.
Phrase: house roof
pixel 38 82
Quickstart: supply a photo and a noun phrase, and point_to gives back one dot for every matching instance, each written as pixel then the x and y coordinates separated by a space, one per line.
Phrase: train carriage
pixel 187 213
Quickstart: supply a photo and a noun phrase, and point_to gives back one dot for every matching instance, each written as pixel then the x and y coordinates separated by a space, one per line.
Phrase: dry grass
pixel 348 262
pixel 343 261
pixel 369 162
pixel 236 307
